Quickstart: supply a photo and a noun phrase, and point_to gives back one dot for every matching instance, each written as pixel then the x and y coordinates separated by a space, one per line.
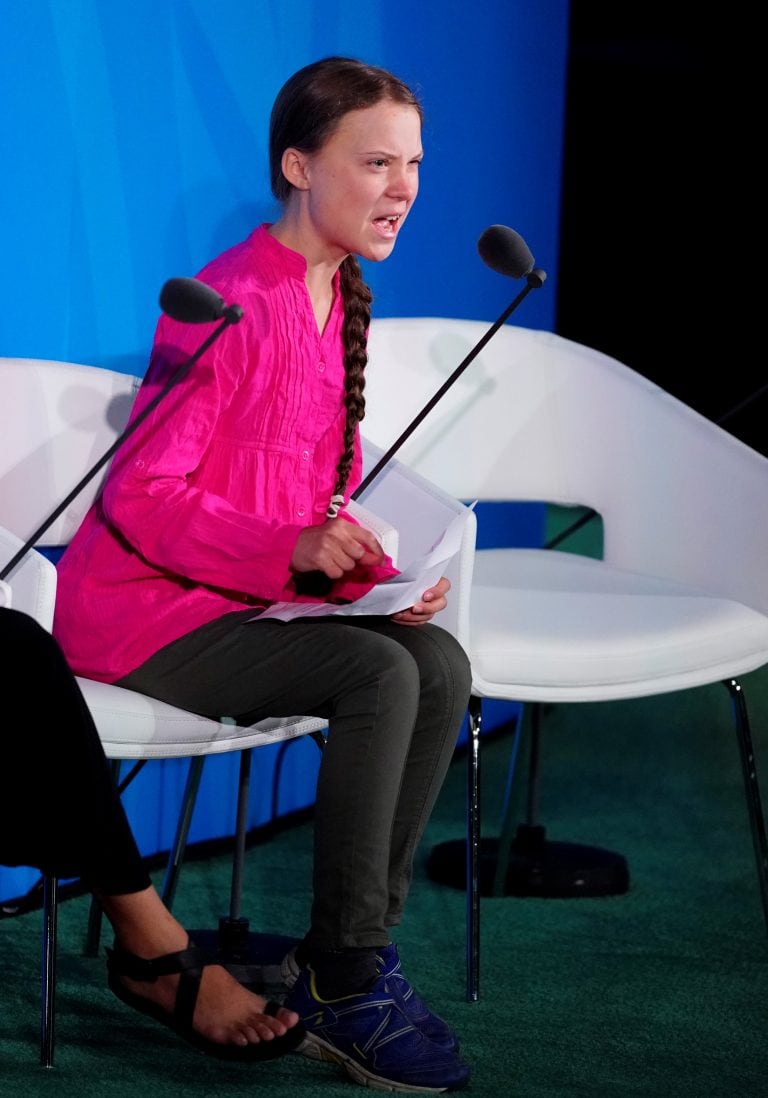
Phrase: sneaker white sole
pixel 289 970
pixel 315 1048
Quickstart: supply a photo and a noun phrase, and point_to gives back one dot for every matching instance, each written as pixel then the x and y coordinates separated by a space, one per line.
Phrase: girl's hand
pixel 432 601
pixel 335 547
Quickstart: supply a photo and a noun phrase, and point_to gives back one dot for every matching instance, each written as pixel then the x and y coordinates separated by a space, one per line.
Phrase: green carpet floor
pixel 660 991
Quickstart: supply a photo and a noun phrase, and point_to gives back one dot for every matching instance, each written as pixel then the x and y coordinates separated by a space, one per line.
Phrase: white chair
pixel 680 596
pixel 64 417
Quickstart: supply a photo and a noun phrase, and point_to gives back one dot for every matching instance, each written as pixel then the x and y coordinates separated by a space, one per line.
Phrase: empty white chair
pixel 680 596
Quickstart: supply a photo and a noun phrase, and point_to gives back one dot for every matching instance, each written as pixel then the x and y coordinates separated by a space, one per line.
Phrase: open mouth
pixel 387 226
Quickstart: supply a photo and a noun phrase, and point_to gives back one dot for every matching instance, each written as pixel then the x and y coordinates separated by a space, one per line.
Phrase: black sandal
pixel 189 964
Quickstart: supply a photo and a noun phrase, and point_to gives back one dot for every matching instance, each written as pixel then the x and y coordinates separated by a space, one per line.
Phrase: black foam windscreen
pixel 191 301
pixel 504 251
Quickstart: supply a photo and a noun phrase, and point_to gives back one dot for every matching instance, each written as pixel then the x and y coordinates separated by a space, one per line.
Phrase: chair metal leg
pixel 527 728
pixel 233 940
pixel 241 828
pixel 48 981
pixel 473 850
pixel 176 854
pixel 319 739
pixel 751 788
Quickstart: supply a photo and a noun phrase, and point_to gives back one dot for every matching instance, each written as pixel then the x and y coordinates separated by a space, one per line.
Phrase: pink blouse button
pixel 300 511
pixel 321 367
pixel 305 455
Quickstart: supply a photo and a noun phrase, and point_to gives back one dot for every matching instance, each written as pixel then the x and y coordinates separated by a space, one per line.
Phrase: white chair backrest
pixel 538 417
pixel 60 418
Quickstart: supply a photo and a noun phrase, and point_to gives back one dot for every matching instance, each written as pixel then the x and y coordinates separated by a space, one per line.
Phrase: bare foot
pixel 225 1011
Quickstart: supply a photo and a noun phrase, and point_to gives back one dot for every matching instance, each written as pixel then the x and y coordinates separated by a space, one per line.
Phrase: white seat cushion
pixel 135 726
pixel 553 626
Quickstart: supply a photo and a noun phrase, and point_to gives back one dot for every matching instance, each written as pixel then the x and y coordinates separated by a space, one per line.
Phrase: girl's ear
pixel 294 165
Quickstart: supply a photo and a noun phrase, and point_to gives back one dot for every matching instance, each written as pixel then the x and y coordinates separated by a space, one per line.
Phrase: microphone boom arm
pixel 231 316
pixel 535 279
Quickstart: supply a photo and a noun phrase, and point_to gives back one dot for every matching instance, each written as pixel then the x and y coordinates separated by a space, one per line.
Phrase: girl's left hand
pixel 432 601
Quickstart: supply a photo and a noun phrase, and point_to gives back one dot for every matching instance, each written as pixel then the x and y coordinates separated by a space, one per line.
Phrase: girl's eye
pixel 380 163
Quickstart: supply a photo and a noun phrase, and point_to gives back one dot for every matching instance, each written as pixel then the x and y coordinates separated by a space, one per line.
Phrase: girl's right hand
pixel 335 547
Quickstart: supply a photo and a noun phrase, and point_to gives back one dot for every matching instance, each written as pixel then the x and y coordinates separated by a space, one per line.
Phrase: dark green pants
pixel 394 697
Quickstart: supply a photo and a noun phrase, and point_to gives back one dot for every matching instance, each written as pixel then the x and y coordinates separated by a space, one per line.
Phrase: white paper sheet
pixel 398 593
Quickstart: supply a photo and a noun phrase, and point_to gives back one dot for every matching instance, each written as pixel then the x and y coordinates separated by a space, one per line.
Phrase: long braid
pixel 357 298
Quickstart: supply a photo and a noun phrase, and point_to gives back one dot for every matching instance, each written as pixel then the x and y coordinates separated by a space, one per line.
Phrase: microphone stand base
pixel 253 959
pixel 536 867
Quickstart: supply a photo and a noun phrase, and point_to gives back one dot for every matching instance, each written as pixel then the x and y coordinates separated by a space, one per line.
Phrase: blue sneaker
pixel 431 1025
pixel 371 1035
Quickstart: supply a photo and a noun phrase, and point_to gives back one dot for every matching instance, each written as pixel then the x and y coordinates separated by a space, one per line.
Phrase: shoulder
pixel 237 269
pixel 249 273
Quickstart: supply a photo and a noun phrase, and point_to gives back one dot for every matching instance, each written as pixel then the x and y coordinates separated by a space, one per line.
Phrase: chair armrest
pixel 32 583
pixel 420 511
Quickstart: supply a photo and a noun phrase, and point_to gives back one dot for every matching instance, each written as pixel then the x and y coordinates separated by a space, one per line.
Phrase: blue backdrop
pixel 133 142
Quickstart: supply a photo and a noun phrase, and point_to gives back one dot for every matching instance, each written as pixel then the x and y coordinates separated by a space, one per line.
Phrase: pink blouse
pixel 202 506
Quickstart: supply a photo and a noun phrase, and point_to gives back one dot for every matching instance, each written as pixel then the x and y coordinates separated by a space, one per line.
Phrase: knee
pixel 399 667
pixel 461 669
pixel 454 661
pixel 380 660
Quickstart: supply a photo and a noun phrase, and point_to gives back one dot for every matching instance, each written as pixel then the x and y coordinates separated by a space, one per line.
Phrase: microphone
pixel 184 299
pixel 504 251
pixel 193 302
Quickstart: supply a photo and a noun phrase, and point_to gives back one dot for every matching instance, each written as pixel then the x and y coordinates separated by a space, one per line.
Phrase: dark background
pixel 659 230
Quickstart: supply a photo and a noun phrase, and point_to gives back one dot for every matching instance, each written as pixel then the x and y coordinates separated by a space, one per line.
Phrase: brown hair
pixel 307 110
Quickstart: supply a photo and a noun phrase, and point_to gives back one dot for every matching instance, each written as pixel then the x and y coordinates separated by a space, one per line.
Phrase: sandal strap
pixel 187 963
pixel 123 963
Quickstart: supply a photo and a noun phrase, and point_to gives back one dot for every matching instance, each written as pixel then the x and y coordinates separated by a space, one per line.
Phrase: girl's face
pixel 359 187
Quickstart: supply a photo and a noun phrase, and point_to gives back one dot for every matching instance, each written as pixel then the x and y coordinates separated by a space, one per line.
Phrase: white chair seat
pixel 135 726
pixel 585 631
